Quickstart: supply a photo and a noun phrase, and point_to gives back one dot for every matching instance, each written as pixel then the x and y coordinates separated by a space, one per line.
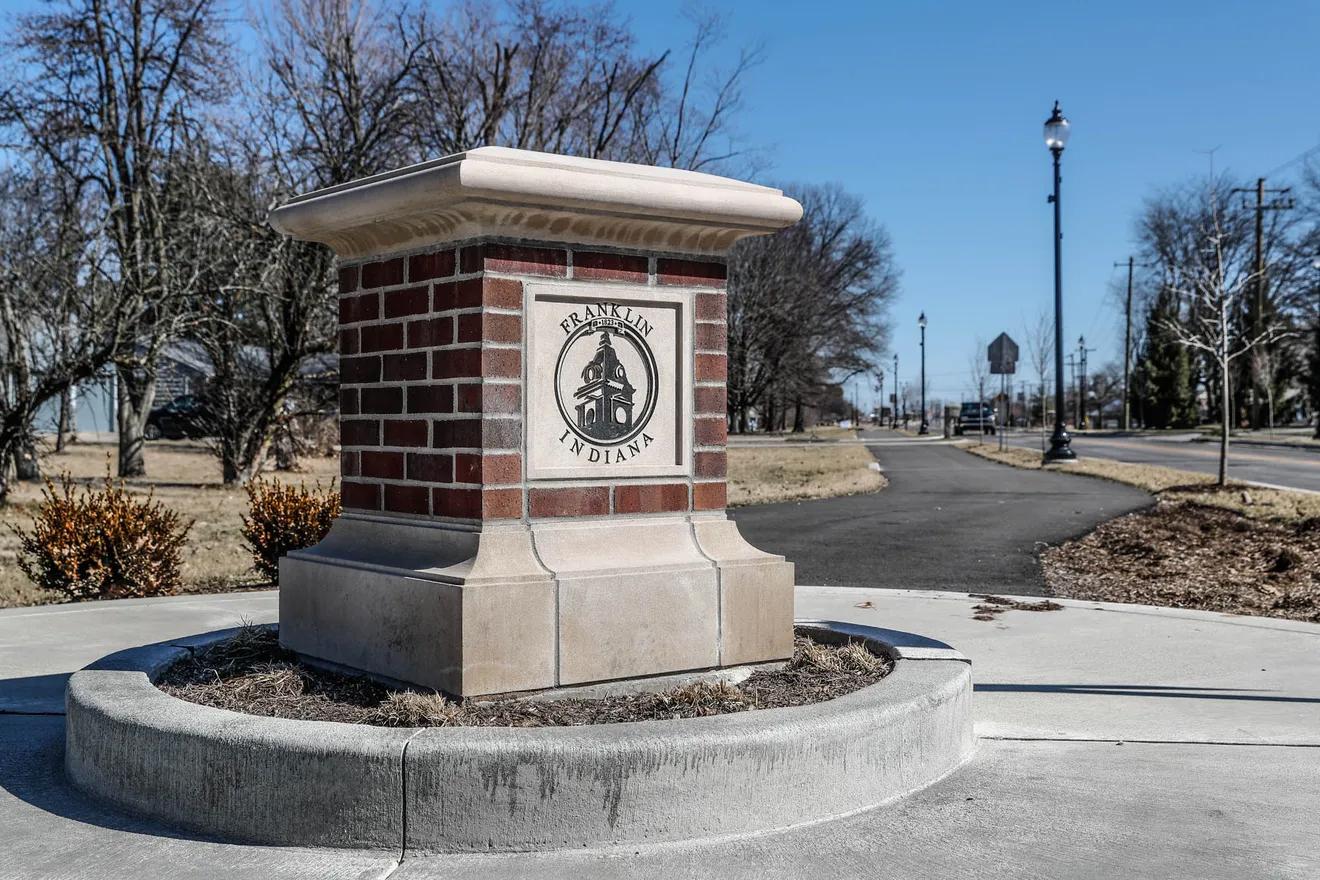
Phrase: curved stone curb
pixel 282 782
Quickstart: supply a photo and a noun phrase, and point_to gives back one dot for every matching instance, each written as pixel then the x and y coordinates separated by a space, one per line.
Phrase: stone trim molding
pixel 308 783
pixel 494 191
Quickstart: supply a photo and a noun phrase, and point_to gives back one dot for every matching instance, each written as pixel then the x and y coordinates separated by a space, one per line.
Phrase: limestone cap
pixel 499 192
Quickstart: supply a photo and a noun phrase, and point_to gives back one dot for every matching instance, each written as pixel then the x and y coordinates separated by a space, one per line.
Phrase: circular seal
pixel 605 381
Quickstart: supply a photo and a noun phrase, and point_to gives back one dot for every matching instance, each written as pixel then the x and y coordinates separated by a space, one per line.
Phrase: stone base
pixel 523 607
pixel 488 789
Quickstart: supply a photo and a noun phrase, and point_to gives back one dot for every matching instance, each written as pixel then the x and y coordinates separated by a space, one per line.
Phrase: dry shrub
pixel 282 518
pixel 102 543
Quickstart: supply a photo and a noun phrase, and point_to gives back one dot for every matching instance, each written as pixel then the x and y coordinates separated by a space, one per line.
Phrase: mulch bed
pixel 1186 555
pixel 251 673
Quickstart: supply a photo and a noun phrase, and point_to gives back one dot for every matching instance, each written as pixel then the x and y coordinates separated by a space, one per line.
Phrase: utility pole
pixel 1282 203
pixel 1127 349
pixel 894 421
pixel 1072 380
pixel 1081 389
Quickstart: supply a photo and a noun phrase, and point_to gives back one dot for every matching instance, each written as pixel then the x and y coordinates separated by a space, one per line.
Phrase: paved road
pixel 1271 465
pixel 947 521
pixel 1115 741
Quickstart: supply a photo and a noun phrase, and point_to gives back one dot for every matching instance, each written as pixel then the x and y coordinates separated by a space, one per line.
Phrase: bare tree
pixel 103 92
pixel 807 306
pixel 1038 335
pixel 60 322
pixel 1213 285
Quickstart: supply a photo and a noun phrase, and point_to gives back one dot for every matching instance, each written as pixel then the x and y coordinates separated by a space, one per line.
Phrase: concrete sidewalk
pixel 1117 741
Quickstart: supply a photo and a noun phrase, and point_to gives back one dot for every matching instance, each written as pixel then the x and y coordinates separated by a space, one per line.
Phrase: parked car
pixel 183 417
pixel 975 418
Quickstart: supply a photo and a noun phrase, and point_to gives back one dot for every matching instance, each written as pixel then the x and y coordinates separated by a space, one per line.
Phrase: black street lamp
pixel 894 421
pixel 925 424
pixel 1056 138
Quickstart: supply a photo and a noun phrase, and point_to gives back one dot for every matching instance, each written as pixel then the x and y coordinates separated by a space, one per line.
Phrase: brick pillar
pixel 533 432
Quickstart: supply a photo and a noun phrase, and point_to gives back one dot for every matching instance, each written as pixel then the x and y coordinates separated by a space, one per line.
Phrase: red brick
pixel 430 332
pixel 382 337
pixel 385 465
pixel 651 499
pixel 411 301
pixel 359 308
pixel 712 306
pixel 456 363
pixel 502 293
pixel 388 400
pixel 427 467
pixel 452 501
pixel 457 433
pixel 360 496
pixel 348 279
pixel 710 337
pixel 610 267
pixel 423 267
pixel 690 272
pixel 430 398
pixel 359 432
pixel 711 464
pixel 348 401
pixel 349 464
pixel 402 367
pixel 348 341
pixel 709 496
pixel 406 432
pixel 489 327
pixel 359 370
pixel 501 363
pixel 516 259
pixel 469 467
pixel 489 397
pixel 711 400
pixel 468 293
pixel 501 503
pixel 407 499
pixel 711 432
pixel 578 501
pixel 382 274
pixel 712 368
pixel 501 433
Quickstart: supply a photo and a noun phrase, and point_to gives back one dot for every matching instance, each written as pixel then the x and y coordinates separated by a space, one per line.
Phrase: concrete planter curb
pixel 282 782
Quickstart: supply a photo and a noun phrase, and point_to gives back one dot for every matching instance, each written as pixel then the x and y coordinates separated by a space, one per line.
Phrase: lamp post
pixel 1056 138
pixel 925 423
pixel 894 422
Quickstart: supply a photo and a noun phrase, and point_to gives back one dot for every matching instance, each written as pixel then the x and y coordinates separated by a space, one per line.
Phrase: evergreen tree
pixel 1313 374
pixel 1166 371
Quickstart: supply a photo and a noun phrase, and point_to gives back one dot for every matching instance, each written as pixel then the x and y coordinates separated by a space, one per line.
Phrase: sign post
pixel 1003 355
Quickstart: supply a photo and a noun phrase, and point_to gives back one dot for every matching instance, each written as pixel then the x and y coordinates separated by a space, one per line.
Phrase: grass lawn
pixel 186 477
pixel 1239 549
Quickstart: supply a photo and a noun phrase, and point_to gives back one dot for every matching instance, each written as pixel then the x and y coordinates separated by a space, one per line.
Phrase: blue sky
pixel 932 112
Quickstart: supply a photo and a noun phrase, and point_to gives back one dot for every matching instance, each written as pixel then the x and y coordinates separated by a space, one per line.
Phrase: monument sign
pixel 533 365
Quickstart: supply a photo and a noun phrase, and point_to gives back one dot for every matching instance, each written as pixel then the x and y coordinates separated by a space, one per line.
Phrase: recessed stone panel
pixel 608 379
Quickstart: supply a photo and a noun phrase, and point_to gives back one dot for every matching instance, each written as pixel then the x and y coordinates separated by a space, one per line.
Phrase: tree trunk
pixel 64 428
pixel 1224 427
pixel 136 391
pixel 799 417
pixel 26 464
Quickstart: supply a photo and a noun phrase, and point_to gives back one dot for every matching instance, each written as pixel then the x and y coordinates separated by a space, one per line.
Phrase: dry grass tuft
pixel 414 709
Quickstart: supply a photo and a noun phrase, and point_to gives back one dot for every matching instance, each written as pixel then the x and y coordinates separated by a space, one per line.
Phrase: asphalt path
pixel 1267 465
pixel 947 521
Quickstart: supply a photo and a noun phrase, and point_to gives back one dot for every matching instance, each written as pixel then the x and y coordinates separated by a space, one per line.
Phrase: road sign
pixel 1003 354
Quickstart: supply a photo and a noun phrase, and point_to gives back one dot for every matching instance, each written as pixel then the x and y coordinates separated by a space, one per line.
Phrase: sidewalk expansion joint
pixel 1149 742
